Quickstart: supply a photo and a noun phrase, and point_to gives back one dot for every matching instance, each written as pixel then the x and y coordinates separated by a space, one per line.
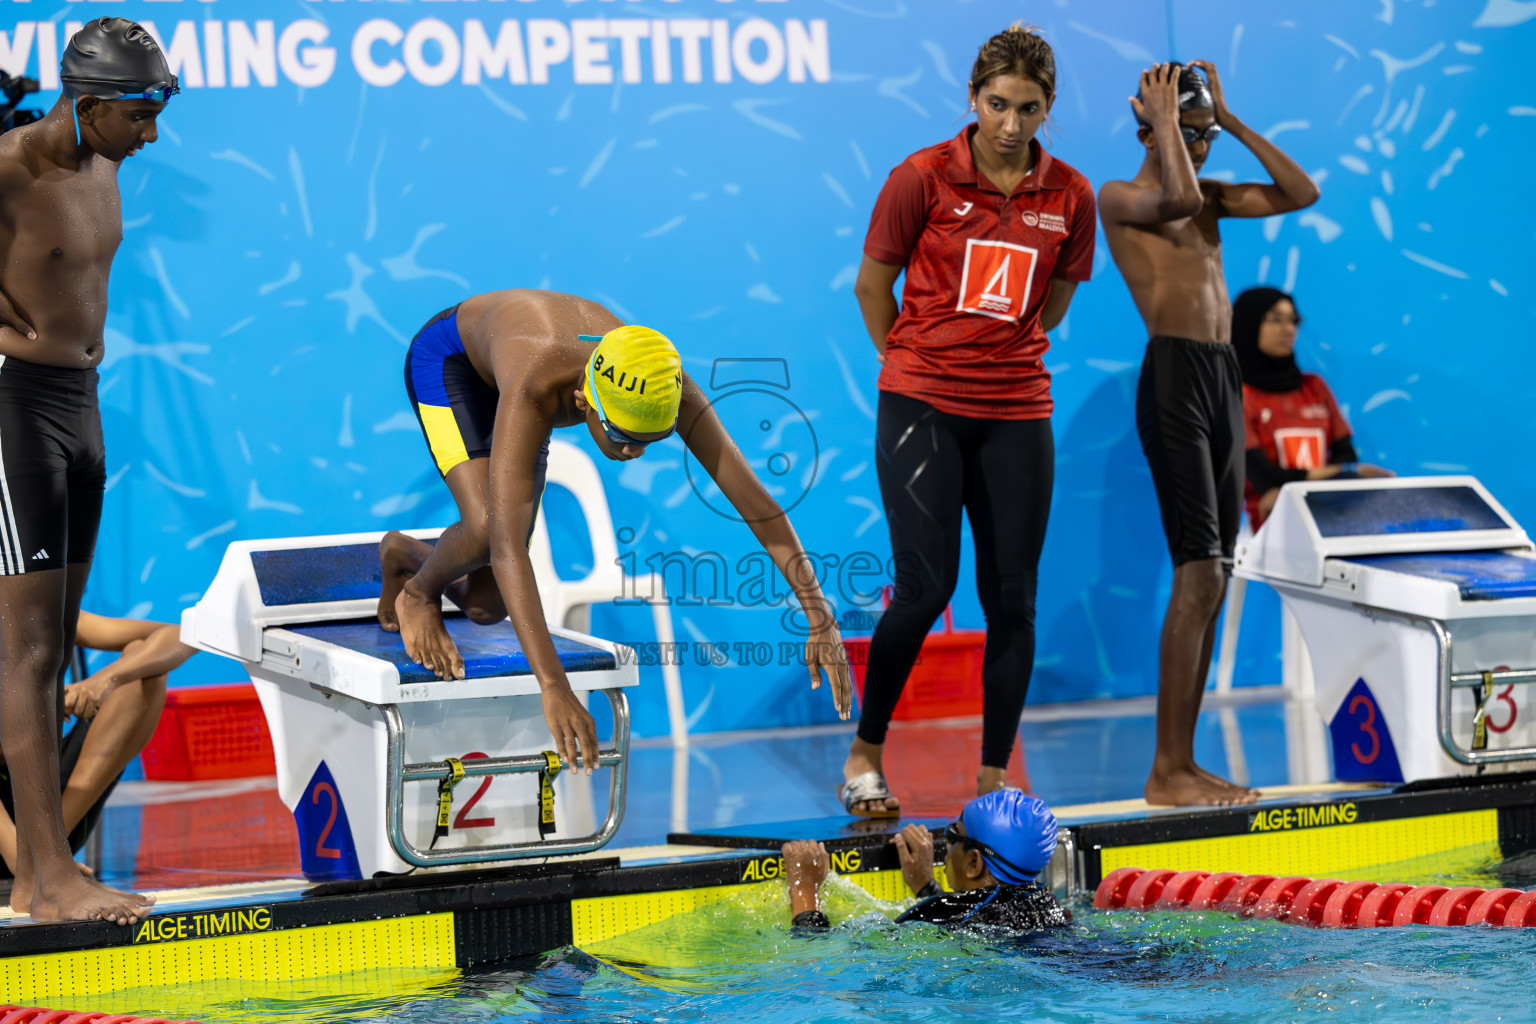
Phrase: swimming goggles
pixel 159 95
pixel 1191 135
pixel 952 835
pixel 613 433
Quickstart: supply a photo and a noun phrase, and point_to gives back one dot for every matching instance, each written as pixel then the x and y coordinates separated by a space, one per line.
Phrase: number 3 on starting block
pixel 1362 743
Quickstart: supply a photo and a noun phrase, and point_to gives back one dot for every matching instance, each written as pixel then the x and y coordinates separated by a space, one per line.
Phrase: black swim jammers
pixel 1189 413
pixel 53 466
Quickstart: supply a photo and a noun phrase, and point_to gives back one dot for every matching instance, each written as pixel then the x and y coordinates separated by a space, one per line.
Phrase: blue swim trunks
pixel 455 407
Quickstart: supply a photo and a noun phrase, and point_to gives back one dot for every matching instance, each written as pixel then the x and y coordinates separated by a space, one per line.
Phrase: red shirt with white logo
pixel 1294 429
pixel 979 264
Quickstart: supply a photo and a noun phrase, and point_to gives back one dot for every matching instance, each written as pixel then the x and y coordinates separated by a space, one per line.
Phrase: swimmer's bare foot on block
pixel 1250 794
pixel 77 898
pixel 1190 785
pixel 426 639
pixel 863 758
pixel 399 558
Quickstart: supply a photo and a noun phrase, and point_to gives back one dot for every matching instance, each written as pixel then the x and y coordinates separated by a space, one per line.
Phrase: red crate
pixel 944 683
pixel 210 732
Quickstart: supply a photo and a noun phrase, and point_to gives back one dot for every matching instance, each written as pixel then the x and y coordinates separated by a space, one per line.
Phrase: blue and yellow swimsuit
pixel 456 408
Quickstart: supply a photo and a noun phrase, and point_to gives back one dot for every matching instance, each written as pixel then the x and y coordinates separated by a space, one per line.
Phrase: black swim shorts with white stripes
pixel 53 469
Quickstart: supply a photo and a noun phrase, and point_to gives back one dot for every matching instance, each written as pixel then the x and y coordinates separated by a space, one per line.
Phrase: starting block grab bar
pixel 399 773
pixel 1448 681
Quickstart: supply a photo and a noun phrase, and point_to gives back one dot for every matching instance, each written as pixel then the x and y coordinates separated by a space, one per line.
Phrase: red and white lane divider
pixel 1325 903
pixel 37 1015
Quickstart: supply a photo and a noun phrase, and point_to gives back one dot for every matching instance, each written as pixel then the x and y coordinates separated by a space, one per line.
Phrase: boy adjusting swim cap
pixel 1020 827
pixel 113 58
pixel 639 379
pixel 1194 92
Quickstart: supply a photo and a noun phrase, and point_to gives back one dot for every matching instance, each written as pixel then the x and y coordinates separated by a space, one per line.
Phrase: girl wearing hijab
pixel 1295 430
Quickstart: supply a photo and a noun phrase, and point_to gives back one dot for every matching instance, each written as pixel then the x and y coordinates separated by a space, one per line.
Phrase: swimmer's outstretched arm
pixel 707 439
pixel 1291 189
pixel 519 432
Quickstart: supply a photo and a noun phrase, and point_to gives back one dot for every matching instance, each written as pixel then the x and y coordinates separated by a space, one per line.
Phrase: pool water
pixel 737 960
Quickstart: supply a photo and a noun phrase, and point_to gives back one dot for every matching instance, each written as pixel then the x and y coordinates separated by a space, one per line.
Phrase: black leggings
pixel 932 465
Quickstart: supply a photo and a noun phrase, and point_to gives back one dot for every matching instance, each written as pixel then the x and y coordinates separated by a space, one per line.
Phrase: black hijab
pixel 1261 371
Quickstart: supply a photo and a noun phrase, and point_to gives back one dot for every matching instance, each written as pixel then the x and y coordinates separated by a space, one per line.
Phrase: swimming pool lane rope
pixel 38 1015
pixel 1324 903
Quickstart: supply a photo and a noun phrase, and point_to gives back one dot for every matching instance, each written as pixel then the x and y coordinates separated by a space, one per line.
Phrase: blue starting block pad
pixel 317 575
pixel 1398 511
pixel 488 651
pixel 1478 575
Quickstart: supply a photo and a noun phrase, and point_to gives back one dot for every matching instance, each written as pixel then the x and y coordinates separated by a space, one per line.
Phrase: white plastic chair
pixel 571 468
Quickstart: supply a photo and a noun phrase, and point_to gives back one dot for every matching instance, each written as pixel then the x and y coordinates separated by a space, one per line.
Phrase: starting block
pixel 355 722
pixel 1416 597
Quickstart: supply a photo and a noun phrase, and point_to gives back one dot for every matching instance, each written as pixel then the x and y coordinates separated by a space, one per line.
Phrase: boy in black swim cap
pixel 114 59
pixel 61 222
pixel 1163 229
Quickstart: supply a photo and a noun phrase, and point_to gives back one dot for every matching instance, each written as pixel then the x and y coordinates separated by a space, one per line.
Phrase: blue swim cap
pixel 1020 827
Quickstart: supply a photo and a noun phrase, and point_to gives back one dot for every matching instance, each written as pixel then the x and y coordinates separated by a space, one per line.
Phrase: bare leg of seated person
pixel 36 628
pixel 119 731
pixel 1184 658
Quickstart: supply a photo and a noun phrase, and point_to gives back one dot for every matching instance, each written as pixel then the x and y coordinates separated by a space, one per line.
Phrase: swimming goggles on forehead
pixel 612 432
pixel 952 835
pixel 1193 135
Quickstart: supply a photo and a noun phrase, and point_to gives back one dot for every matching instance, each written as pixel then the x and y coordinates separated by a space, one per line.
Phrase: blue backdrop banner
pixel 334 173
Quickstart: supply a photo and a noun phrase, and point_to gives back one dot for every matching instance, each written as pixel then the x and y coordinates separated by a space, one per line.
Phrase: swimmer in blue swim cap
pixel 996 851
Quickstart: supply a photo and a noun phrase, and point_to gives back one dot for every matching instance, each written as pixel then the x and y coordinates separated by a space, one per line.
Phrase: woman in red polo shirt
pixel 1295 429
pixel 994 235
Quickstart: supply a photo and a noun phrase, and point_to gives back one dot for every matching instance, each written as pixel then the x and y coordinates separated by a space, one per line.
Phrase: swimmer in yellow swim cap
pixel 488 380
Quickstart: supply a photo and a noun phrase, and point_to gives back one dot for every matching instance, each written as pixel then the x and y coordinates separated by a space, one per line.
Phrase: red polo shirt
pixel 1294 429
pixel 968 339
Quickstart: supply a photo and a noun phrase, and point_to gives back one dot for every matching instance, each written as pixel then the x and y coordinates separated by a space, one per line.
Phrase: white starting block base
pixel 313 728
pixel 361 734
pixel 1406 590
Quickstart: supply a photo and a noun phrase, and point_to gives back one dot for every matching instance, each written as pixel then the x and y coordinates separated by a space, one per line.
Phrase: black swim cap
pixel 110 58
pixel 1194 93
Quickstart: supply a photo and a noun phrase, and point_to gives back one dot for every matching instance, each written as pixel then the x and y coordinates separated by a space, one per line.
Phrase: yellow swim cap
pixel 639 379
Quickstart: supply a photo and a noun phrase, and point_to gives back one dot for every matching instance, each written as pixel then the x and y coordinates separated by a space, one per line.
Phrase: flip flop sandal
pixel 867 787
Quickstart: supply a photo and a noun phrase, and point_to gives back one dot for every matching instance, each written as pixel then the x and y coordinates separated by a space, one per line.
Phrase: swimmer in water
pixel 1163 229
pixel 996 851
pixel 61 220
pixel 489 379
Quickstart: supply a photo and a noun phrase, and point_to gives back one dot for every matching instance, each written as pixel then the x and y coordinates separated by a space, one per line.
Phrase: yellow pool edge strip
pixel 1333 851
pixel 290 954
pixel 600 918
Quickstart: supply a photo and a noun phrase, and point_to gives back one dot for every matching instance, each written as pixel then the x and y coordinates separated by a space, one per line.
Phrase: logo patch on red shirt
pixel 996 279
pixel 1300 447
